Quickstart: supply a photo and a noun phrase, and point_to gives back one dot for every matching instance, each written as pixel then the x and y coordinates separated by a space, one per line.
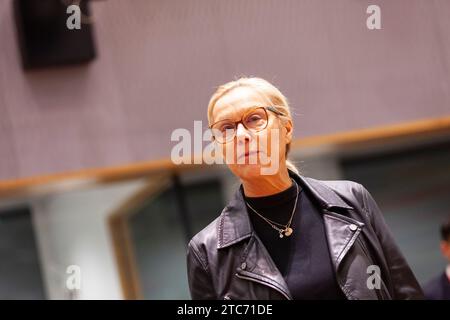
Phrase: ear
pixel 289 130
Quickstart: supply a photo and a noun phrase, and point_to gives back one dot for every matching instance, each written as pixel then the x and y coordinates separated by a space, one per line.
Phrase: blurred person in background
pixel 284 235
pixel 439 287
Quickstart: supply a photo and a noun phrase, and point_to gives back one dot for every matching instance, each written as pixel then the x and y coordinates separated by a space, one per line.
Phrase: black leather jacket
pixel 226 260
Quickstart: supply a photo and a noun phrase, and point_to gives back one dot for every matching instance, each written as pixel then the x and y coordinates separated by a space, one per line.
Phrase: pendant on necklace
pixel 288 232
pixel 281 234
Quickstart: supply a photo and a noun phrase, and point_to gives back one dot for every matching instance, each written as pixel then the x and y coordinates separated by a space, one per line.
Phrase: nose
pixel 242 133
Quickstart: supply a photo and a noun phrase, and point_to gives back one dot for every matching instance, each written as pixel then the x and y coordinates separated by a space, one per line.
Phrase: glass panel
pixel 159 237
pixel 159 245
pixel 205 202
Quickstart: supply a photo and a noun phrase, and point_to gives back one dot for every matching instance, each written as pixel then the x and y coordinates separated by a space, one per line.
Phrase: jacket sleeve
pixel 199 277
pixel 404 282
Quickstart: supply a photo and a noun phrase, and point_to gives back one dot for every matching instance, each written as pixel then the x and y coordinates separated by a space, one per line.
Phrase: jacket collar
pixel 234 222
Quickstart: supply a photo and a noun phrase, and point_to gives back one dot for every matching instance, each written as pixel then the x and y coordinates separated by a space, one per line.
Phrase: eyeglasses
pixel 254 120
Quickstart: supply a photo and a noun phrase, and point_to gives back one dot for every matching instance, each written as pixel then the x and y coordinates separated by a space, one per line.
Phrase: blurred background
pixel 86 117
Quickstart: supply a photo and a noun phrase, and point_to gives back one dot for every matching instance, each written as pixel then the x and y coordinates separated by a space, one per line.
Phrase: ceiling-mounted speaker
pixel 47 36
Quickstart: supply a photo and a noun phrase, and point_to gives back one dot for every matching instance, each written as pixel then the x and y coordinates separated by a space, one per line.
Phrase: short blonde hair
pixel 267 90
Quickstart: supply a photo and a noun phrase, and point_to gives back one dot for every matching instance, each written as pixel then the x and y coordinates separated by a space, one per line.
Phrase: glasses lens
pixel 224 131
pixel 256 119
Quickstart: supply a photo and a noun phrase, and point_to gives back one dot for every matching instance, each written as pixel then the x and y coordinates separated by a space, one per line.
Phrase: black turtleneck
pixel 302 258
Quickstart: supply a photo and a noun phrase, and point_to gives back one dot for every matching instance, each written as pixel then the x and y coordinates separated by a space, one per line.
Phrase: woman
pixel 284 235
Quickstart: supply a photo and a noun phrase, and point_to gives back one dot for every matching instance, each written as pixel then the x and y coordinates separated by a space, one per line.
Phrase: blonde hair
pixel 268 91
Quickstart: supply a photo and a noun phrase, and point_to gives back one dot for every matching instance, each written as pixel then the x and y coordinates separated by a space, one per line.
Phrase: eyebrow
pixel 245 110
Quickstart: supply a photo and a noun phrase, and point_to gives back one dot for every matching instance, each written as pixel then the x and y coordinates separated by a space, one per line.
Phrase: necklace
pixel 282 229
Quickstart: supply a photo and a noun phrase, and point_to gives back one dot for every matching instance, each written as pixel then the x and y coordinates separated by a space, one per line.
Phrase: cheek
pixel 273 141
pixel 229 152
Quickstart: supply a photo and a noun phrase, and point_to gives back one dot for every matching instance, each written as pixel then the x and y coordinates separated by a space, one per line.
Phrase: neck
pixel 267 185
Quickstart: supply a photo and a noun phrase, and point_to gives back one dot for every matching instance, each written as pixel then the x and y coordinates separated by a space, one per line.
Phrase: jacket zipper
pixel 345 293
pixel 264 283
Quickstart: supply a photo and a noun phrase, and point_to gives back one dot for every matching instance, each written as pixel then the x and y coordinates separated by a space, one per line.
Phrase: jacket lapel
pixel 234 223
pixel 341 234
pixel 341 230
pixel 257 265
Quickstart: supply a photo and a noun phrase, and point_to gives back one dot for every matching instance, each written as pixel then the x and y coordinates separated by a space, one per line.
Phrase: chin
pixel 246 171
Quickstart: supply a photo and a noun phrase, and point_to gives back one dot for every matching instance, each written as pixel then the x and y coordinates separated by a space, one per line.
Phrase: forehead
pixel 238 101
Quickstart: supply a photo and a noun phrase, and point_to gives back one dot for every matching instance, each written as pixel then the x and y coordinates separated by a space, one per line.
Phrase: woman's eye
pixel 226 127
pixel 253 118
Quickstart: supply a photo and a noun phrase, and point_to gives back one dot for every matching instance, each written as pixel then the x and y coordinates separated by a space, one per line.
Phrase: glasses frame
pixel 236 123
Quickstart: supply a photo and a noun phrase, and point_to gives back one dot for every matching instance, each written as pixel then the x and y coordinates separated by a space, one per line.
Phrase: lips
pixel 248 154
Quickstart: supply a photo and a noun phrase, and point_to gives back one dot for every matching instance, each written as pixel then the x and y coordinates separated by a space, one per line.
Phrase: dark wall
pixel 412 188
pixel 20 273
